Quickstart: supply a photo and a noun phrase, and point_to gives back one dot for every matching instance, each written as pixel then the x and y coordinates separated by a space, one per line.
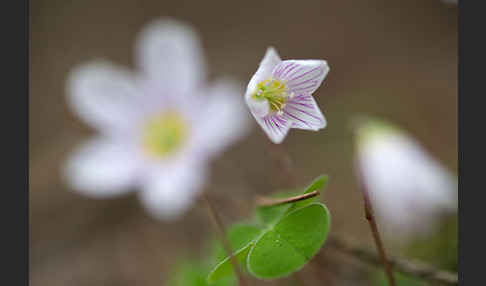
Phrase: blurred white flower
pixel 158 127
pixel 279 95
pixel 409 189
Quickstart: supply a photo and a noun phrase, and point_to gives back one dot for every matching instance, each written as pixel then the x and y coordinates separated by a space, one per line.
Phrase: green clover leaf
pixel 292 234
pixel 293 241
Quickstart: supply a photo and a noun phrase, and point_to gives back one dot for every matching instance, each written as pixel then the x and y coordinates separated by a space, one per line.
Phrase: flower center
pixel 164 134
pixel 275 92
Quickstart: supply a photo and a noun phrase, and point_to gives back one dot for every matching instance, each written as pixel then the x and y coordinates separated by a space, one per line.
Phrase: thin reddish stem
pixel 268 202
pixel 370 217
pixel 222 233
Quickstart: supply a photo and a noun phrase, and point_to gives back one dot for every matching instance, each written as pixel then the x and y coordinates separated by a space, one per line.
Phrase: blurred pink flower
pixel 158 127
pixel 409 189
pixel 279 95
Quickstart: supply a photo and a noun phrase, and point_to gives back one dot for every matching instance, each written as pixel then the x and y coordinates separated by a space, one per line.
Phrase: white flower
pixel 409 189
pixel 158 127
pixel 279 95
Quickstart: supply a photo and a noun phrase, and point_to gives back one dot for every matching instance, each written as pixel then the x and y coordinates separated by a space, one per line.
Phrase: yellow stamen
pixel 275 92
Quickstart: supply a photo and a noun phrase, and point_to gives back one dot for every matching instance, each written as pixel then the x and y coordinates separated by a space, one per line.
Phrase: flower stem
pixel 284 160
pixel 370 217
pixel 268 202
pixel 222 233
pixel 286 164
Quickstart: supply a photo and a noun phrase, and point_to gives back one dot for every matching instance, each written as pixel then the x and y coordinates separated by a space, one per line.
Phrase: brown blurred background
pixel 395 59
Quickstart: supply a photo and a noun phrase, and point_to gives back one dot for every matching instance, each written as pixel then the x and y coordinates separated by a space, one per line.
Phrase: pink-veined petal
pixel 170 54
pixel 301 76
pixel 275 126
pixel 168 191
pixel 102 168
pixel 304 113
pixel 103 95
